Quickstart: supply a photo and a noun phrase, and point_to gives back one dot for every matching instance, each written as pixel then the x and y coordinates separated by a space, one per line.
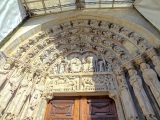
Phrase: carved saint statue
pixel 156 62
pixel 100 64
pixel 129 108
pixel 151 79
pixel 64 65
pixel 35 98
pixel 22 94
pixel 143 100
pixel 11 86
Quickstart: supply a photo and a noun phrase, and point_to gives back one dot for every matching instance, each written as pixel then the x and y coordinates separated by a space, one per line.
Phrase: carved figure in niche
pixel 105 24
pixel 111 83
pixel 90 64
pixel 28 57
pixel 100 49
pixel 143 100
pixel 115 27
pixel 109 67
pixel 35 98
pixel 156 62
pixel 129 108
pixel 96 39
pixel 11 86
pixel 107 43
pixel 135 53
pixel 117 49
pixel 86 30
pixel 77 22
pixel 75 65
pixel 124 57
pixel 100 64
pixel 22 94
pixel 6 71
pixel 66 25
pixel 84 65
pixel 117 38
pixel 73 46
pixel 64 64
pixel 19 52
pixel 124 31
pixel 107 34
pixel 94 23
pixel 143 45
pixel 88 45
pixel 151 79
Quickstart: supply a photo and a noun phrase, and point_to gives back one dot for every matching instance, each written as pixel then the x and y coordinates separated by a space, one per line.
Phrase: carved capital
pixel 113 94
pixel 48 96
pixel 151 52
pixel 129 66
pixel 139 60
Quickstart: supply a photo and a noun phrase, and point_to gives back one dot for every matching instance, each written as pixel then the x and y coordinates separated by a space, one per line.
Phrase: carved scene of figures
pixel 76 63
pixel 98 83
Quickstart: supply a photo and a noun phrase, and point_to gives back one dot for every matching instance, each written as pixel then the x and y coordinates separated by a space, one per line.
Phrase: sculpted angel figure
pixel 143 100
pixel 151 79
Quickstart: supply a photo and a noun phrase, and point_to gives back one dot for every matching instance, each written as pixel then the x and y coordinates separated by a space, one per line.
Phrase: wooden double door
pixel 81 108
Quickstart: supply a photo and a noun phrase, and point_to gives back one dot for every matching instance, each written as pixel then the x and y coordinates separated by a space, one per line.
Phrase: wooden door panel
pixel 101 108
pixel 59 109
pixel 81 108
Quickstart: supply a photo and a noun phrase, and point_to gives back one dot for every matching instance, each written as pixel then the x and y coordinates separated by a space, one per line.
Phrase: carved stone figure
pixel 156 62
pixel 143 45
pixel 128 104
pixel 100 64
pixel 151 79
pixel 11 86
pixel 4 73
pixel 143 100
pixel 75 65
pixel 90 64
pixel 105 24
pixel 35 98
pixel 22 94
pixel 64 65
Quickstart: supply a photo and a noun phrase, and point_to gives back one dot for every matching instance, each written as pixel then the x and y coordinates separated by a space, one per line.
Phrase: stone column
pixel 155 59
pixel 46 98
pixel 140 94
pixel 115 96
pixel 128 105
pixel 150 78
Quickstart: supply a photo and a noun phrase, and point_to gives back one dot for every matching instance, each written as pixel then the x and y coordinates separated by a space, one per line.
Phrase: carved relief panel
pixel 80 83
pixel 76 63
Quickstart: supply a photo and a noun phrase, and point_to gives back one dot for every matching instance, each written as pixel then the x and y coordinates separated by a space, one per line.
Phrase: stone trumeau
pixel 81 55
